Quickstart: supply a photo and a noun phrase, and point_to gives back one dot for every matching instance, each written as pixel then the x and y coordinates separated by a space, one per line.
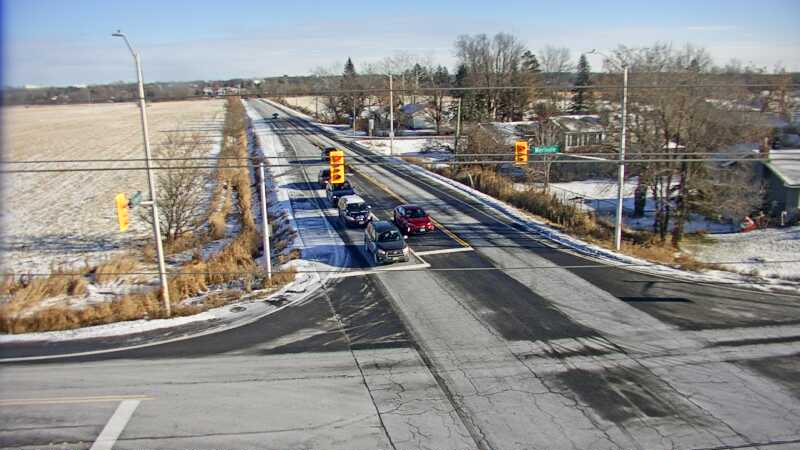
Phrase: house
pixel 579 131
pixel 415 117
pixel 782 176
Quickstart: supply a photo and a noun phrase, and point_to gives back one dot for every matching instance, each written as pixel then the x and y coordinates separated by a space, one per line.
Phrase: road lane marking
pixel 376 271
pixel 445 250
pixel 70 400
pixel 112 430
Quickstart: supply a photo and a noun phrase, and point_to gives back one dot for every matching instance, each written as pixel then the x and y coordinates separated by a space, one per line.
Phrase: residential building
pixel 579 132
pixel 782 176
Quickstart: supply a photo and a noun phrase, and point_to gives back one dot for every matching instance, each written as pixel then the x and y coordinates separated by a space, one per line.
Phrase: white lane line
pixel 445 250
pixel 357 273
pixel 68 400
pixel 112 430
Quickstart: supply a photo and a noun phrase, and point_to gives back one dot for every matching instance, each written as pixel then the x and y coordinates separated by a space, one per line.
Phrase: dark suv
pixel 384 243
pixel 323 177
pixel 354 211
pixel 326 151
pixel 336 191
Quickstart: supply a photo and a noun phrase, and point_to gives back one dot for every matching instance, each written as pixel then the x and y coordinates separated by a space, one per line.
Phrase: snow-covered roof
pixel 413 108
pixel 788 170
pixel 585 123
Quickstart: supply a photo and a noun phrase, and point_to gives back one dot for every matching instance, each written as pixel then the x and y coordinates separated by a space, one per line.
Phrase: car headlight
pixel 381 252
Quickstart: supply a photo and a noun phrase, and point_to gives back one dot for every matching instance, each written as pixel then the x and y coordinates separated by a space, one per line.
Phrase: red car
pixel 412 219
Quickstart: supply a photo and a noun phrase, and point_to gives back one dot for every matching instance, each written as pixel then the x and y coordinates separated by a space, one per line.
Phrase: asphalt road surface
pixel 553 357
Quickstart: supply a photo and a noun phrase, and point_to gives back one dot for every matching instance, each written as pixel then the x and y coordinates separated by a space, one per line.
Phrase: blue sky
pixel 56 42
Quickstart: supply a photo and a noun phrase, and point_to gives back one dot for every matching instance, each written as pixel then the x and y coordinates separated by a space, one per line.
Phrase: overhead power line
pixel 401 164
pixel 721 157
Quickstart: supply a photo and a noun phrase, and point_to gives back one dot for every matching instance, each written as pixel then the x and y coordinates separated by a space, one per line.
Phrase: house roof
pixel 579 123
pixel 788 170
pixel 413 108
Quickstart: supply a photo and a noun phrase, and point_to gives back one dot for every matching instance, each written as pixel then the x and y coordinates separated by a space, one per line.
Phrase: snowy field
pixel 413 147
pixel 754 249
pixel 67 218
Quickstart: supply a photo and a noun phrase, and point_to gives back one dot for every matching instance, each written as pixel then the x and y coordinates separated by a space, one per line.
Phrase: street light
pixel 152 203
pixel 621 173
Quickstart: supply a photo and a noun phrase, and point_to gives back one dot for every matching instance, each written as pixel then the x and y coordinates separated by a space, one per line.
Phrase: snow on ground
pixel 111 329
pixel 756 247
pixel 438 148
pixel 600 196
pixel 67 218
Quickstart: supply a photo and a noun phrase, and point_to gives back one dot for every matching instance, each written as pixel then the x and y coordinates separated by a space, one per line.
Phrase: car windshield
pixel 415 213
pixel 356 207
pixel 389 236
pixel 339 187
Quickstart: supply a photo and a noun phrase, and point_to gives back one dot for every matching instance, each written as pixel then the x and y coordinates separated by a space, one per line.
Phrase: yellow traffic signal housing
pixel 521 153
pixel 337 166
pixel 122 211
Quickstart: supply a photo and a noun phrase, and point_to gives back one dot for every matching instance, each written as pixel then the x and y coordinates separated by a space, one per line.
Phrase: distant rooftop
pixel 579 123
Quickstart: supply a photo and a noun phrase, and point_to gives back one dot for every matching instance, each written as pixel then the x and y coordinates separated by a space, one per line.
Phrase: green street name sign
pixel 548 149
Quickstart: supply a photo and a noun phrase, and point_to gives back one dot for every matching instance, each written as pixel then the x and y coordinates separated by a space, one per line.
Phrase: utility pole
pixel 458 127
pixel 354 116
pixel 391 117
pixel 621 180
pixel 265 220
pixel 150 181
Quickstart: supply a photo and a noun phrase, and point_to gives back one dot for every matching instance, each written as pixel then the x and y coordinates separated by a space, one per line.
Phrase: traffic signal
pixel 521 153
pixel 337 166
pixel 122 211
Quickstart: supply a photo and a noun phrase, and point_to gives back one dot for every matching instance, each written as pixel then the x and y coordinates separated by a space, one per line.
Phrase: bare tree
pixel 732 192
pixel 556 59
pixel 544 134
pixel 327 80
pixel 671 122
pixel 183 190
pixel 490 63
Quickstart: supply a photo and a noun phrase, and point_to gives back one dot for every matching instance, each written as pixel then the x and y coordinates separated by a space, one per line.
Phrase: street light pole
pixel 391 117
pixel 621 172
pixel 150 181
pixel 621 178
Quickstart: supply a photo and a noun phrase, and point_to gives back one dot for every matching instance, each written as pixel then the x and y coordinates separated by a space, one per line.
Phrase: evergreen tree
pixel 530 63
pixel 349 69
pixel 351 102
pixel 581 97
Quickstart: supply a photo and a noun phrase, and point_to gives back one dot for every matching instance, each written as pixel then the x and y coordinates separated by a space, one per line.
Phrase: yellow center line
pixel 402 200
pixel 71 400
pixel 383 187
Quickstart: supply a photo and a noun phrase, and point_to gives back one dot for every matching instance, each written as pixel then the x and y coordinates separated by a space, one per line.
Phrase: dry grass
pixel 130 307
pixel 115 269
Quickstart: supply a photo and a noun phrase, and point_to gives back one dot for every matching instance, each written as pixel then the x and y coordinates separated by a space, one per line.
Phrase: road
pixel 560 356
